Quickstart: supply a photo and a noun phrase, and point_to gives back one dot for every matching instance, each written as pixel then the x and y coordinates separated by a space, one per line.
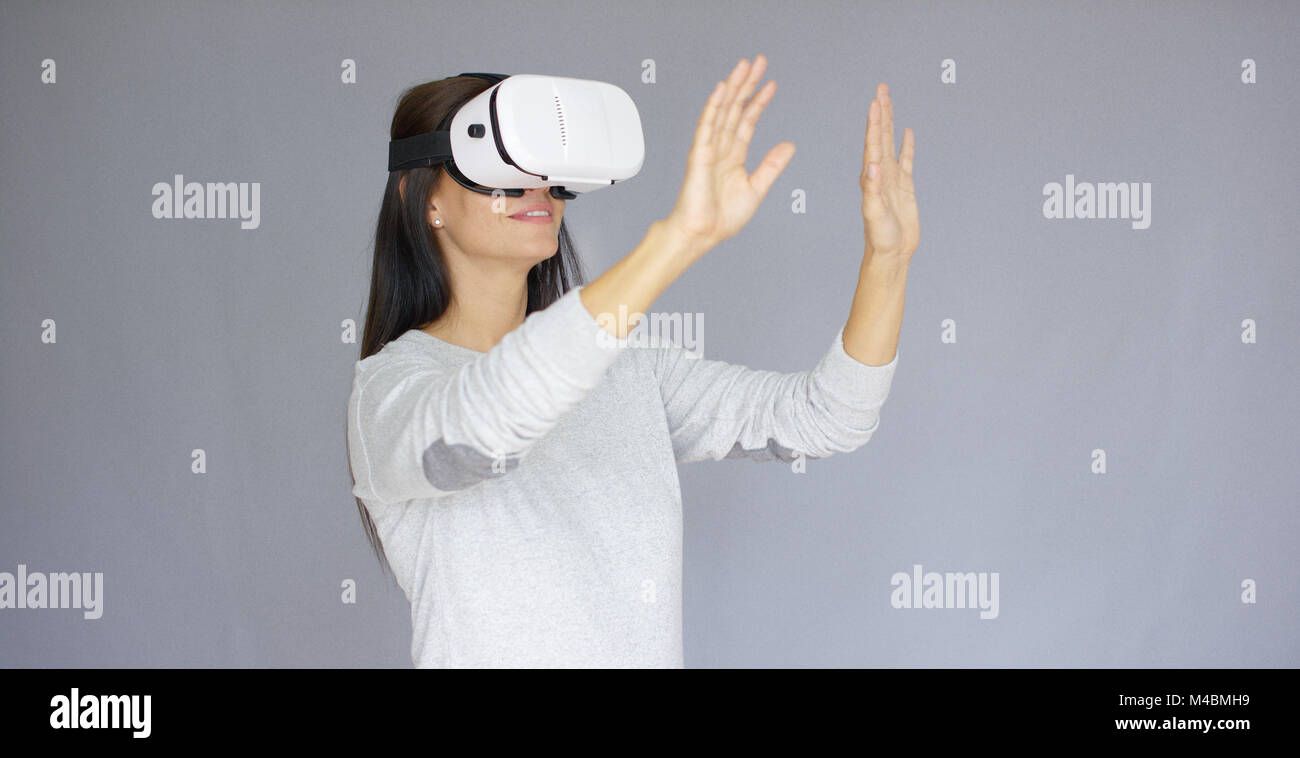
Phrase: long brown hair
pixel 410 285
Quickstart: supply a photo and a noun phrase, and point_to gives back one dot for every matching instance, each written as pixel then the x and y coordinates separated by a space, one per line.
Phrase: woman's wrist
pixel 678 242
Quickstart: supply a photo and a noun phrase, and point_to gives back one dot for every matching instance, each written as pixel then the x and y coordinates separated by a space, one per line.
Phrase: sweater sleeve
pixel 418 430
pixel 720 410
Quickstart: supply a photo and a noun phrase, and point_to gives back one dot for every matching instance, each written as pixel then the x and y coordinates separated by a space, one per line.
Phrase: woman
pixel 517 470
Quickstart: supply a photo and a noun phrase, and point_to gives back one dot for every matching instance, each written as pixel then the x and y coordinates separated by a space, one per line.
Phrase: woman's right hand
pixel 718 197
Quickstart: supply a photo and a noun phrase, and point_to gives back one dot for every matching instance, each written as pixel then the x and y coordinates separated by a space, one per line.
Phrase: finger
pixel 729 94
pixel 871 143
pixel 909 150
pixel 704 126
pixel 886 123
pixel 738 104
pixel 873 206
pixel 749 121
pixel 773 164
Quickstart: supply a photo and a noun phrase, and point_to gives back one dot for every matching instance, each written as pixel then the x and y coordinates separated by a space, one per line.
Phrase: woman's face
pixel 474 224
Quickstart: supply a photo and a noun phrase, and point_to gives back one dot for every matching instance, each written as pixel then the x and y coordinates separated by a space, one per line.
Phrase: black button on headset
pixel 476 130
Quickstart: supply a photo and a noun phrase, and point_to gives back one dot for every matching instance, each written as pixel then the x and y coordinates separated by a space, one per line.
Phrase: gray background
pixel 1072 335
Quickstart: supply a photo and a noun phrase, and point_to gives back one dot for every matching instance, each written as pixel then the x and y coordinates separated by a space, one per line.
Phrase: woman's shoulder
pixel 419 351
pixel 416 348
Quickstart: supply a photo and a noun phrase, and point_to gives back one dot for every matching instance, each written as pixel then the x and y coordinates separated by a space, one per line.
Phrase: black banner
pixel 242 707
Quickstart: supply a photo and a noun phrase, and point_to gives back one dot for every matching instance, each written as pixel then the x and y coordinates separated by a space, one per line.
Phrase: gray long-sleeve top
pixel 528 498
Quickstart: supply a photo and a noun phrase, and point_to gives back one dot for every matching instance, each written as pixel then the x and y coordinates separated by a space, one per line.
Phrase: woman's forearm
pixel 876 316
pixel 637 280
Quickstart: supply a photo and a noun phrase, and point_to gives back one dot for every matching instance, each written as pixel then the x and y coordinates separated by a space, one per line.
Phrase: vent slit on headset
pixel 559 112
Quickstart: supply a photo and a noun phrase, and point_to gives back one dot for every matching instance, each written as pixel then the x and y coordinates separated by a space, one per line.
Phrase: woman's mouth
pixel 534 214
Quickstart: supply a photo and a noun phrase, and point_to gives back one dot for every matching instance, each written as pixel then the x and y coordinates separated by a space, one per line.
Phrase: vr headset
pixel 529 131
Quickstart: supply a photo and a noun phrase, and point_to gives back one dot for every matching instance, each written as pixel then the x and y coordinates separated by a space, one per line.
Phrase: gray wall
pixel 1170 348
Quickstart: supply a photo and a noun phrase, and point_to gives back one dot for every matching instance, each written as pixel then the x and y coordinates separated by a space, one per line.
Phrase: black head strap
pixel 431 147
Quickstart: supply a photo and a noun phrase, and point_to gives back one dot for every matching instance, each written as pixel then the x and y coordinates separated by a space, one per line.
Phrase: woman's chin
pixel 540 250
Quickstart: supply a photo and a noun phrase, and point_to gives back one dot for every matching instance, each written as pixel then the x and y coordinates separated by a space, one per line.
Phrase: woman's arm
pixel 892 231
pixel 876 316
pixel 420 430
pixel 719 410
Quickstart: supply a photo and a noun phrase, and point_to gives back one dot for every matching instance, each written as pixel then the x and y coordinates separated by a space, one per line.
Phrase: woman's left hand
pixel 891 226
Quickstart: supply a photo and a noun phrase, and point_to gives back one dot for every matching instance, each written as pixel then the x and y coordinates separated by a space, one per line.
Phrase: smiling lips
pixel 540 214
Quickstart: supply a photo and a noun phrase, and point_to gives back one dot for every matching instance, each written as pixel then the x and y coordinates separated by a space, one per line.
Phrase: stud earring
pixel 437 222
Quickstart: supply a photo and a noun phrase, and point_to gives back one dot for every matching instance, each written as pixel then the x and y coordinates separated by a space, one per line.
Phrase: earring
pixel 437 222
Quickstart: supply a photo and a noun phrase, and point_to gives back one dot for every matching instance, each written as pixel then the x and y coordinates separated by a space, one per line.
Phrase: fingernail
pixel 871 170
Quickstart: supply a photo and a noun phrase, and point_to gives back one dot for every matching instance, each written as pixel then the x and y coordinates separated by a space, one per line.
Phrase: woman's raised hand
pixel 889 219
pixel 718 197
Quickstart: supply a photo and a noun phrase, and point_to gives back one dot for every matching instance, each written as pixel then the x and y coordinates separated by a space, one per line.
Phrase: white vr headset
pixel 528 131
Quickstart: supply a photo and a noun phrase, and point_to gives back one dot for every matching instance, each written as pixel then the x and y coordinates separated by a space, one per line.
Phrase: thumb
pixel 773 164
